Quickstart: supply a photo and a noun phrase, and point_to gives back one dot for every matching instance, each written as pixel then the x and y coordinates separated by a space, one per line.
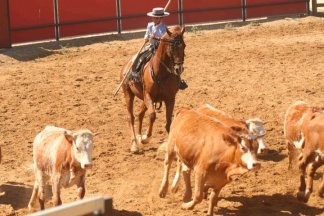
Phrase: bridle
pixel 176 67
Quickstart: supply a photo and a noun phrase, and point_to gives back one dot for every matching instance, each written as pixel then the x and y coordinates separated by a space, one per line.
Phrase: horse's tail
pixel 158 107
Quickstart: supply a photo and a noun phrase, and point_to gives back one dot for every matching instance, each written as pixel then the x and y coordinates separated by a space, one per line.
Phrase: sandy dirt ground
pixel 257 70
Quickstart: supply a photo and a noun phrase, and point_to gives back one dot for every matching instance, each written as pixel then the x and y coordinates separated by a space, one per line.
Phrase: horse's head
pixel 175 50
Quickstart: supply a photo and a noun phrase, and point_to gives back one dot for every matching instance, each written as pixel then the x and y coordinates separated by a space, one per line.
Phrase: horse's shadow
pixel 277 204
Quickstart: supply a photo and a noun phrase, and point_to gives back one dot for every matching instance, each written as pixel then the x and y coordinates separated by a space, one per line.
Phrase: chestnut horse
pixel 160 83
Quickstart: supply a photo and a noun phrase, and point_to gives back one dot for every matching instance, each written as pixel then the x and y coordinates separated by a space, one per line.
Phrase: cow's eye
pixel 244 149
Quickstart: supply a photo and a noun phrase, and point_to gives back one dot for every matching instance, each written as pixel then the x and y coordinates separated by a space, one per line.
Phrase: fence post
pixel 308 7
pixel 119 23
pixel 314 7
pixel 243 10
pixel 57 20
pixel 5 38
pixel 180 12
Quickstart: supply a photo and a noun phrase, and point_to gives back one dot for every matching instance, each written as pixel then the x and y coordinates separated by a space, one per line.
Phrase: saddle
pixel 137 67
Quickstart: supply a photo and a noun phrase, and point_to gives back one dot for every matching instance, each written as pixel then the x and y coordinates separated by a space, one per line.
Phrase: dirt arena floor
pixel 257 70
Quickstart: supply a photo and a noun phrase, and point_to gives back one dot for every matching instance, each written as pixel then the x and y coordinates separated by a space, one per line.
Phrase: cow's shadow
pixel 125 213
pixel 15 194
pixel 273 155
pixel 18 194
pixel 277 204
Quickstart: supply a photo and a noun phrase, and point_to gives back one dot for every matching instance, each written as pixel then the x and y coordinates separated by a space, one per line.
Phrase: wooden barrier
pixel 5 41
pixel 315 5
pixel 89 206
pixel 36 20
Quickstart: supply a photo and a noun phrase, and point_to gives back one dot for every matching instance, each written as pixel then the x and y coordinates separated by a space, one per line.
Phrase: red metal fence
pixel 34 20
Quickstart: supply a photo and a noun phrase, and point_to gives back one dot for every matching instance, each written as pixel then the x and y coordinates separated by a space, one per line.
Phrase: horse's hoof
pixel 174 188
pixel 134 149
pixel 187 206
pixel 145 139
pixel 139 138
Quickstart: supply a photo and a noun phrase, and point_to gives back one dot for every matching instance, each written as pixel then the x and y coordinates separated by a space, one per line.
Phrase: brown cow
pixel 55 151
pixel 312 132
pixel 251 126
pixel 294 118
pixel 214 151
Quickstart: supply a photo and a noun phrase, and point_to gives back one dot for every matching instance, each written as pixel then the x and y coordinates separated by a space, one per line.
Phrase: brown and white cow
pixel 55 151
pixel 294 118
pixel 312 132
pixel 252 127
pixel 214 151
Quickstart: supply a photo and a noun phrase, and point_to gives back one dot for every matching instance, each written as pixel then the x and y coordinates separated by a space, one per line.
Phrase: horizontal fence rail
pixel 35 20
pixel 90 206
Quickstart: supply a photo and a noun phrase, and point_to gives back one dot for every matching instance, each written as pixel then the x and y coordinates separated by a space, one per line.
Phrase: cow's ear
pixel 68 136
pixel 229 139
pixel 236 128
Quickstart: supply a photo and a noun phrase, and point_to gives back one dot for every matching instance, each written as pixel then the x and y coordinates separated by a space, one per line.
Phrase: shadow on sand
pixel 277 204
pixel 125 213
pixel 273 155
pixel 15 194
pixel 29 52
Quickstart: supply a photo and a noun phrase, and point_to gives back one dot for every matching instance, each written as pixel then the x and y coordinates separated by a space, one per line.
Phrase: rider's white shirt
pixel 156 30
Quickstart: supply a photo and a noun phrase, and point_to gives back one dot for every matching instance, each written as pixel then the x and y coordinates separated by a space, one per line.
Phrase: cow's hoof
pixel 162 193
pixel 321 192
pixel 174 188
pixel 163 190
pixel 145 139
pixel 301 196
pixel 187 197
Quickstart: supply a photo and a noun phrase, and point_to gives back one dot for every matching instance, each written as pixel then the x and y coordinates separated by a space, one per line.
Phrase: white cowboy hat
pixel 158 12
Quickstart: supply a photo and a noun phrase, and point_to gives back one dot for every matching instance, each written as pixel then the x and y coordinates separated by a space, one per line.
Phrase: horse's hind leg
pixel 129 99
pixel 140 121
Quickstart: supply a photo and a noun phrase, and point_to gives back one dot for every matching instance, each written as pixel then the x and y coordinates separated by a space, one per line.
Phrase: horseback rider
pixel 154 30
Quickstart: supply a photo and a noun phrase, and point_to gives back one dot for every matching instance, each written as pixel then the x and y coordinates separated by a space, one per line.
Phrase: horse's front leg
pixel 140 122
pixel 150 107
pixel 169 104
